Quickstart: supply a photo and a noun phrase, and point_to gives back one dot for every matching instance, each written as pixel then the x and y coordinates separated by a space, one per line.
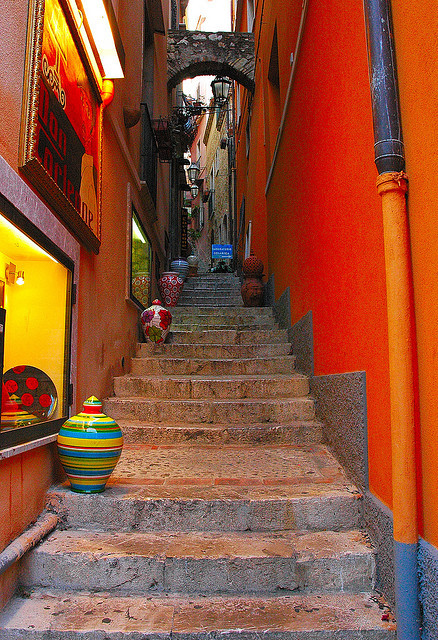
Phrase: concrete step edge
pixel 202 562
pixel 292 617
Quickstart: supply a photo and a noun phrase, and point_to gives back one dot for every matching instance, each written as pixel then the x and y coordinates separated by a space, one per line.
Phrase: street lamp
pixel 193 172
pixel 194 190
pixel 220 87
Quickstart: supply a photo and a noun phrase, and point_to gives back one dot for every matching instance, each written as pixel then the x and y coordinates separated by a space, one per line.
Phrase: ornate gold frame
pixel 29 162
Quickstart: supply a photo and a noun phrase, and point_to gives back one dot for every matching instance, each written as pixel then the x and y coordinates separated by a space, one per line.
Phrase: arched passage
pixel 196 53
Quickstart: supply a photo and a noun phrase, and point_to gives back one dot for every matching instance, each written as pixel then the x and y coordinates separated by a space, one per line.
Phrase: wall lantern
pixel 102 25
pixel 220 87
pixel 193 172
pixel 194 190
pixel 12 276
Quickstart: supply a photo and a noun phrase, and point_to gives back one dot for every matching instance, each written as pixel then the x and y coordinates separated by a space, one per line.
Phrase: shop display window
pixel 141 263
pixel 35 300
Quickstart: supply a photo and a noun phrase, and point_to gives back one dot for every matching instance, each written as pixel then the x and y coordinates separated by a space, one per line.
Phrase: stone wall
pixel 197 53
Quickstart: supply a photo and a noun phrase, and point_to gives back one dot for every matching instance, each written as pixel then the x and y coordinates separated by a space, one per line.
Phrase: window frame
pixel 132 297
pixel 19 435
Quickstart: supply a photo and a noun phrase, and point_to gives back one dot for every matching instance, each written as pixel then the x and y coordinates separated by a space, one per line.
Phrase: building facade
pixel 351 266
pixel 84 221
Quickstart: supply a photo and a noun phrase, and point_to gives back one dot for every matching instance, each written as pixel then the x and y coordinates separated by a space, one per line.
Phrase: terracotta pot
pixel 252 291
pixel 89 447
pixel 253 266
pixel 156 321
pixel 170 285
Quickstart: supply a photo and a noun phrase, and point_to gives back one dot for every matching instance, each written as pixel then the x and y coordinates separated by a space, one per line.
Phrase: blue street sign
pixel 222 251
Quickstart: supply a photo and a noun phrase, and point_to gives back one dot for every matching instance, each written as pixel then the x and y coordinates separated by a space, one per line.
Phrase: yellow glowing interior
pixel 36 315
pixel 103 37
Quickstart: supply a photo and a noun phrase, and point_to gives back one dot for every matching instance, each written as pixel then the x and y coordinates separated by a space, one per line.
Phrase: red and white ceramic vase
pixel 156 321
pixel 170 285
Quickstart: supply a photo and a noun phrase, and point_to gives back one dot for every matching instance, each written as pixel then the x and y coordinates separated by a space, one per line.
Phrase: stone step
pixel 305 433
pixel 228 336
pixel 217 488
pixel 210 286
pixel 207 366
pixel 141 507
pixel 210 301
pixel 202 387
pixel 198 562
pixel 208 350
pixel 45 615
pixel 199 325
pixel 246 410
pixel 239 313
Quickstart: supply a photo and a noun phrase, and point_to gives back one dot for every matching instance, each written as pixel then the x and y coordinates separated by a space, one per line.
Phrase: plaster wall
pixel 13 21
pixel 416 39
pixel 104 323
pixel 324 226
pixel 25 477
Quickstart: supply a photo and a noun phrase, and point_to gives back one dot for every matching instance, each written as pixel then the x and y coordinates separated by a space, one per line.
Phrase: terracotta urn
pixel 252 287
pixel 89 447
pixel 253 266
pixel 193 261
pixel 156 321
pixel 170 285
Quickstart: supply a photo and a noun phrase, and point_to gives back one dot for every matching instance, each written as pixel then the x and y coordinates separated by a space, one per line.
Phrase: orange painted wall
pixel 107 325
pixel 251 172
pixel 324 224
pixel 24 479
pixel 416 38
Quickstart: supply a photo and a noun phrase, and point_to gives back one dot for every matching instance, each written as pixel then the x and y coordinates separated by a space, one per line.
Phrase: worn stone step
pixel 201 562
pixel 228 336
pixel 45 615
pixel 243 313
pixel 211 410
pixel 217 488
pixel 221 351
pixel 158 365
pixel 218 285
pixel 144 507
pixel 205 387
pixel 303 432
pixel 213 301
pixel 210 286
pixel 200 325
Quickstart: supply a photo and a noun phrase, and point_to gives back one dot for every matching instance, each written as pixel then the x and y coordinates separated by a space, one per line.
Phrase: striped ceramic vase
pixel 89 447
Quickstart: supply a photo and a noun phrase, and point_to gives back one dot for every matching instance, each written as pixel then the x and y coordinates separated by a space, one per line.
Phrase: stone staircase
pixel 211 289
pixel 226 516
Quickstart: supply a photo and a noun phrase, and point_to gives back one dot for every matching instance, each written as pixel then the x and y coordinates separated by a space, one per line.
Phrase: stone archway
pixel 196 53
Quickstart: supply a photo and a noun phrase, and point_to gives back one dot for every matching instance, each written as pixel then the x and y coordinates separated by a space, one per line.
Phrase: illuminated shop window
pixel 141 263
pixel 35 304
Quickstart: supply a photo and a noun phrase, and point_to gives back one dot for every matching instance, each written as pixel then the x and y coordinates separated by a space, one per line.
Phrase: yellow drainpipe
pixel 392 187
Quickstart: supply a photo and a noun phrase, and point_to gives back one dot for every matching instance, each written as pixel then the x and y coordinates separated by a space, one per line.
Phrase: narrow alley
pixel 225 515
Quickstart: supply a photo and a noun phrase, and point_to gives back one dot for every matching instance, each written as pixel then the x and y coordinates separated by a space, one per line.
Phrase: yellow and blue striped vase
pixel 89 447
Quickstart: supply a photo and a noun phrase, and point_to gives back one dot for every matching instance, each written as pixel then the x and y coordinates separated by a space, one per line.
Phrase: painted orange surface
pixel 415 32
pixel 24 480
pixel 324 222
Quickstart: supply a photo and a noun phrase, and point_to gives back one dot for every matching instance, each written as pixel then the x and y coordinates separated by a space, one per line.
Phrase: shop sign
pixel 184 235
pixel 222 251
pixel 61 133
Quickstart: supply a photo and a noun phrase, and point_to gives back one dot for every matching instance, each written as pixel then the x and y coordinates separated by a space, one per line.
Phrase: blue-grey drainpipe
pixel 389 158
